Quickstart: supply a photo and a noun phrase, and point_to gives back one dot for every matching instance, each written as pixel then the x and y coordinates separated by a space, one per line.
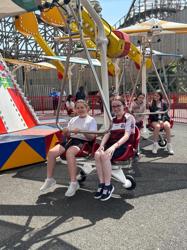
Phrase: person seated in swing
pixel 137 108
pixel 70 105
pixel 160 121
pixel 113 145
pixel 75 141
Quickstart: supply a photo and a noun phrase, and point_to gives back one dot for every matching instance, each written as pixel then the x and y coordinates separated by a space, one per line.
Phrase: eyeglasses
pixel 116 106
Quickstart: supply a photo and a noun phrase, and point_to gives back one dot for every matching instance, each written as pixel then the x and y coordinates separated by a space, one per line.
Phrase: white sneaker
pixel 155 148
pixel 170 149
pixel 73 187
pixel 49 182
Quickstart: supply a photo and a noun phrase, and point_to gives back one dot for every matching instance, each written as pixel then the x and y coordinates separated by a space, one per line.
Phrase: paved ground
pixel 153 217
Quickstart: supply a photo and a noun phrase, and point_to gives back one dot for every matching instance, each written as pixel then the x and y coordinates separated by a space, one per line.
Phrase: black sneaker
pixel 99 192
pixel 136 157
pixel 107 192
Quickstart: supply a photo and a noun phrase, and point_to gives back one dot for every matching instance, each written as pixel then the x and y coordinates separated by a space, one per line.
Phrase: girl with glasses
pixel 113 145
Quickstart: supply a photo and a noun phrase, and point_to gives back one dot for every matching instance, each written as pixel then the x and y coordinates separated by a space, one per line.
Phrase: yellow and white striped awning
pixel 155 27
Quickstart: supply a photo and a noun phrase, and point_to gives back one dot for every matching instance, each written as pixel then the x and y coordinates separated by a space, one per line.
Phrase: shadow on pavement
pixel 151 177
pixel 24 237
pixel 162 153
pixel 82 205
pixel 54 204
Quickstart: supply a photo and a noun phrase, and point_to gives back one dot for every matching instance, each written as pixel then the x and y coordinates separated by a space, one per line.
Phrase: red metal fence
pixel 178 110
pixel 179 107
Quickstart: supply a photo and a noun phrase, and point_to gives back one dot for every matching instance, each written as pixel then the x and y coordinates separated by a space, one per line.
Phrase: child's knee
pixel 97 155
pixel 70 153
pixel 167 127
pixel 51 154
pixel 105 157
pixel 157 127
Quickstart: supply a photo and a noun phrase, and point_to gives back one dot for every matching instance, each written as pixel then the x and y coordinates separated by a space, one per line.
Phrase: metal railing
pixel 44 105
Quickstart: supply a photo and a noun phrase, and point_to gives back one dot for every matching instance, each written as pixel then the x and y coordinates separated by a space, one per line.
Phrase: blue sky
pixel 113 10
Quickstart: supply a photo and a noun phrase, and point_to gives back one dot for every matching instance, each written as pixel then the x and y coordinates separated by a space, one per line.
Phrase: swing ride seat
pixel 127 157
pixel 162 142
pixel 85 151
pixel 86 162
pixel 151 128
pixel 131 148
pixel 117 164
pixel 84 158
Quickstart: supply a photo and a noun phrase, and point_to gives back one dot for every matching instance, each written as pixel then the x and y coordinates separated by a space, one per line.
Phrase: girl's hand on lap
pixel 75 131
pixel 65 131
pixel 101 148
pixel 110 150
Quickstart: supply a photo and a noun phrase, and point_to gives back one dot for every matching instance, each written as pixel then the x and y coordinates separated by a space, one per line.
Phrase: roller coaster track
pixel 15 45
pixel 142 10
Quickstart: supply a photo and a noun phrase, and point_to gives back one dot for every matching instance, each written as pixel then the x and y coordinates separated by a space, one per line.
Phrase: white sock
pixel 74 182
pixel 107 184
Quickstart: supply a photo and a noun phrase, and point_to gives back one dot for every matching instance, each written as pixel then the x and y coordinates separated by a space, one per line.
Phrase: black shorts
pixel 118 152
pixel 73 142
pixel 139 124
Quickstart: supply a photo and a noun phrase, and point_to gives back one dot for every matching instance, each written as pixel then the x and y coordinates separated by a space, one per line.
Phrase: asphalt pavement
pixel 152 217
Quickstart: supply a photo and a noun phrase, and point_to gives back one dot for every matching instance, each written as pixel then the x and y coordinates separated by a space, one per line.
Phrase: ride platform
pixel 27 146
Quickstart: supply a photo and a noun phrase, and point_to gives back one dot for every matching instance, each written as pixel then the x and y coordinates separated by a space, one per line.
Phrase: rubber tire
pixel 81 177
pixel 132 180
pixel 162 143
